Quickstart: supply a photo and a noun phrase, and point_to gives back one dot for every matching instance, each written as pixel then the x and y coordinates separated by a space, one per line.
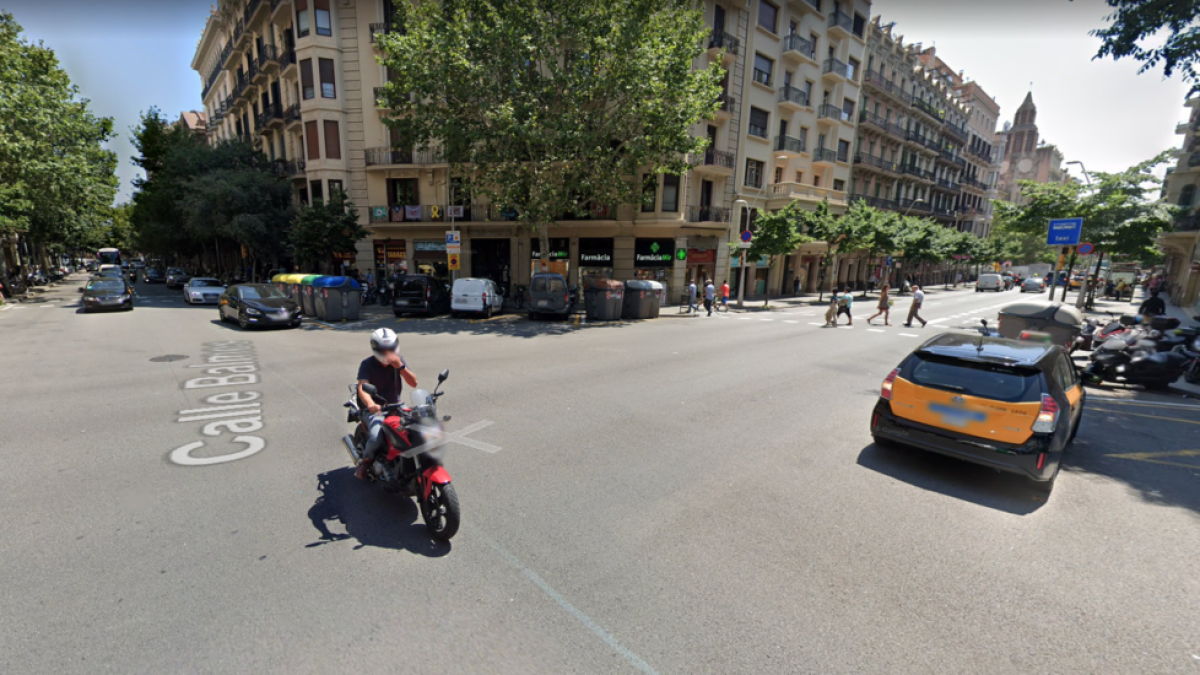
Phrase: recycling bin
pixel 308 299
pixel 603 299
pixel 336 298
pixel 290 285
pixel 643 299
pixel 1063 323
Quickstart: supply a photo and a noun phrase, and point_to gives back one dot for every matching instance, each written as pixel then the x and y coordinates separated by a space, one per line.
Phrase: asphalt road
pixel 687 495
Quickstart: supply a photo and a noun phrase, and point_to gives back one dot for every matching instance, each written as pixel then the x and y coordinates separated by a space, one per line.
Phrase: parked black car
pixel 258 305
pixel 153 275
pixel 105 292
pixel 421 294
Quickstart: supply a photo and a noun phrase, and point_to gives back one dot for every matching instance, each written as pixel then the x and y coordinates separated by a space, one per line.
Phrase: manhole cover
pixel 167 358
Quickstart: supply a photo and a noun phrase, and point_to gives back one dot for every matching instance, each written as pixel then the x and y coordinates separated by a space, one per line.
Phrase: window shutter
pixel 306 77
pixel 314 143
pixel 301 5
pixel 328 87
pixel 321 4
pixel 333 143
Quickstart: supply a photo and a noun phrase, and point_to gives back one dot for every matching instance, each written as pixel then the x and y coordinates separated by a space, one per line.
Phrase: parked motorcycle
pixel 1135 359
pixel 370 295
pixel 411 462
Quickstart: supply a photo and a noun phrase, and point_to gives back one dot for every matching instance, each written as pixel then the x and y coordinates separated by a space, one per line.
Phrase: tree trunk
pixel 543 232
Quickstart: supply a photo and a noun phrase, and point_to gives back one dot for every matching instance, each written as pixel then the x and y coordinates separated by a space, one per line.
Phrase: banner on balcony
pixel 455 211
pixel 397 214
pixel 412 213
pixel 379 213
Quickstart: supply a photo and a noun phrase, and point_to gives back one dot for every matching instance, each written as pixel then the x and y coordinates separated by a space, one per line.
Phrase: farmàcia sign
pixel 654 252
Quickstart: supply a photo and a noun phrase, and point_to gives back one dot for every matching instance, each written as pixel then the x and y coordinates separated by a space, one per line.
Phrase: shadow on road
pixel 370 516
pixel 954 478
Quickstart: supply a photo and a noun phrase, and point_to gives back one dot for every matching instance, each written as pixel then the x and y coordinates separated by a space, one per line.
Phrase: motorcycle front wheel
pixel 440 512
pixel 1192 374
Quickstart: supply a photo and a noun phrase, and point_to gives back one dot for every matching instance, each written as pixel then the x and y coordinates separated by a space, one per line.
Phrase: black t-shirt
pixel 1153 305
pixel 385 378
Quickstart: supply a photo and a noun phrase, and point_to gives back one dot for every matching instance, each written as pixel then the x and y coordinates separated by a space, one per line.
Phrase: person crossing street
pixel 710 296
pixel 915 309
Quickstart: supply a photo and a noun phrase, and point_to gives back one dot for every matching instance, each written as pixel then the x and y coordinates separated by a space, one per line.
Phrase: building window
pixel 754 173
pixel 1186 196
pixel 839 185
pixel 317 195
pixel 333 141
pixel 335 186
pixel 817 180
pixel 306 79
pixel 852 67
pixel 312 142
pixel 768 15
pixel 778 174
pixel 762 69
pixel 670 200
pixel 649 191
pixel 758 122
pixel 847 110
pixel 843 151
pixel 328 88
pixel 860 24
pixel 322 17
pixel 301 18
pixel 303 195
pixel 799 176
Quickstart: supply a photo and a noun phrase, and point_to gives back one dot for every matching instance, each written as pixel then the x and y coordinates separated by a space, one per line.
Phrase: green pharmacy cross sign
pixel 681 254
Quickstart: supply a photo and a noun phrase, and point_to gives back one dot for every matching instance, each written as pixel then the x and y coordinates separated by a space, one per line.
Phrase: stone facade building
pixel 1181 246
pixel 1027 156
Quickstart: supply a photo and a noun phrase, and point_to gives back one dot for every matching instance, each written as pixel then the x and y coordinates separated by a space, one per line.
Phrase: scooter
pixel 1135 360
pixel 412 463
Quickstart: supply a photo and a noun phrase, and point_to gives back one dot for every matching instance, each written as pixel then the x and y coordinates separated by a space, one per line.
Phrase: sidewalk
pixel 822 300
pixel 1119 307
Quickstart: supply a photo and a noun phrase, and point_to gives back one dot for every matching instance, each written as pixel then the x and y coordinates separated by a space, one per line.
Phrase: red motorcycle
pixel 412 464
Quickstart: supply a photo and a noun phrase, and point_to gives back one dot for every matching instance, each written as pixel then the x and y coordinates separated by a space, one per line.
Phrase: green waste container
pixel 308 299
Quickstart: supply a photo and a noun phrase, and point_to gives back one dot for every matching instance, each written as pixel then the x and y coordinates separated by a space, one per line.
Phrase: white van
pixel 476 295
pixel 989 282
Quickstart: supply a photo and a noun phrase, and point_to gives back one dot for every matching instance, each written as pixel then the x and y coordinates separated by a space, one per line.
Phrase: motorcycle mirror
pixel 445 418
pixel 984 322
pixel 443 375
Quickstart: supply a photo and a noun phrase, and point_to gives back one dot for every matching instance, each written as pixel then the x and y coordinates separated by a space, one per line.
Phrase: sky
pixel 129 55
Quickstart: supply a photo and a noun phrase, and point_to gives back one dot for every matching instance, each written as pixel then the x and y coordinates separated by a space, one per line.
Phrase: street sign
pixel 747 236
pixel 744 244
pixel 453 261
pixel 888 262
pixel 1086 249
pixel 456 249
pixel 1064 232
pixel 452 237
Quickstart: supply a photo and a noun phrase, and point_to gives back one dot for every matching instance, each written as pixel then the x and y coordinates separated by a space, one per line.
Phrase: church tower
pixel 1023 137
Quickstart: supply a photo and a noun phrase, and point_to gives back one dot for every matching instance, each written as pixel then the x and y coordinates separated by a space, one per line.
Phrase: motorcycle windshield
pixel 420 397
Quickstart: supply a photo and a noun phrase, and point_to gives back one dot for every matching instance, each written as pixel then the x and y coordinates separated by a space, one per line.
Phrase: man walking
pixel 915 308
pixel 710 296
pixel 691 293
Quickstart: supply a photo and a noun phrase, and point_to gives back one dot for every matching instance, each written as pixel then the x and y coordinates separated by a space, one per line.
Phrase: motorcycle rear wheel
pixel 440 512
pixel 1192 374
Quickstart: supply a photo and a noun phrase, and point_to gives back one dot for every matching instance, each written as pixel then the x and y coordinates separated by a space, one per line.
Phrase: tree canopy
pixel 551 107
pixel 324 229
pixel 1156 33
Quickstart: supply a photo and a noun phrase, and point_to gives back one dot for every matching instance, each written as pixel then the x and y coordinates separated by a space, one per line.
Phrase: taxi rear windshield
pixel 983 380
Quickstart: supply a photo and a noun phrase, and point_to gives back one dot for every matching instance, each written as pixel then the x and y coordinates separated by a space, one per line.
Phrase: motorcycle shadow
pixel 370 516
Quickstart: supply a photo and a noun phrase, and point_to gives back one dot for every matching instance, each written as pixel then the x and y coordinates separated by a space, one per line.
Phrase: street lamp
pixel 1085 286
pixel 1085 173
pixel 910 206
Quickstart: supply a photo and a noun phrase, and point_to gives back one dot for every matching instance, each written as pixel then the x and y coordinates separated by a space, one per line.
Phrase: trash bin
pixel 603 299
pixel 307 299
pixel 336 298
pixel 1062 323
pixel 290 285
pixel 643 299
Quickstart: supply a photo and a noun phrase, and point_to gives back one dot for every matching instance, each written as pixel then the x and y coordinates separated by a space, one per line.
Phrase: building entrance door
pixel 491 259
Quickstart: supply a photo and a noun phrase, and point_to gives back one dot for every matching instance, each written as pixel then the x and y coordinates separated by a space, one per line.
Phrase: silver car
pixel 1033 285
pixel 203 291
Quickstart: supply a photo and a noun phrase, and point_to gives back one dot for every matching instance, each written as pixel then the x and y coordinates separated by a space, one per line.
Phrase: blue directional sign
pixel 1064 232
pixel 888 262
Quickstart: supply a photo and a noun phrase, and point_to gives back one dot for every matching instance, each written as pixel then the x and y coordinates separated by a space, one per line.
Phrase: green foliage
pixel 57 182
pixel 1135 23
pixel 324 229
pixel 551 107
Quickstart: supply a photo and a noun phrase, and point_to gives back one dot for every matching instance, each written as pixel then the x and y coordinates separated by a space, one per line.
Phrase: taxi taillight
pixel 1047 417
pixel 885 391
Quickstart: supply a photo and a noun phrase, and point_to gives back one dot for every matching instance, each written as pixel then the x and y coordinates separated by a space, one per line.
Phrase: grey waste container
pixel 336 298
pixel 603 299
pixel 643 299
pixel 1062 323
pixel 305 296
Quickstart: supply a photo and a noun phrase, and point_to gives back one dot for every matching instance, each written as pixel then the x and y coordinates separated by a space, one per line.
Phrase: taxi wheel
pixel 1074 430
pixel 1046 486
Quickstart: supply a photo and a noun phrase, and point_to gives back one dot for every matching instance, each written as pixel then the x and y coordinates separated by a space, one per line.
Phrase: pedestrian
pixel 845 302
pixel 915 308
pixel 710 296
pixel 884 307
pixel 691 293
pixel 831 313
pixel 725 294
pixel 958 279
pixel 796 285
pixel 904 289
pixel 871 281
pixel 370 279
pixel 1120 290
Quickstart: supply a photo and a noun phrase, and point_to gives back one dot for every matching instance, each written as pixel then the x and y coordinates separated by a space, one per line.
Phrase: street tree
pixel 776 234
pixel 551 108
pixel 842 234
pixel 324 229
pixel 879 232
pixel 1155 33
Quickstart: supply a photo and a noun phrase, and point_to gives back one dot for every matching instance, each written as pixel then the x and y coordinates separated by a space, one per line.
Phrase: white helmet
pixel 383 340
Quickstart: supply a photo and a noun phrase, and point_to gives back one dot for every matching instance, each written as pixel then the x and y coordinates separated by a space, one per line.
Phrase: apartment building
pixel 1181 246
pixel 980 152
pixel 299 79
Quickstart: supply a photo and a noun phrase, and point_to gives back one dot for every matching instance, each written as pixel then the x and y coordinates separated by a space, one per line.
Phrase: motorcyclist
pixel 1153 305
pixel 384 369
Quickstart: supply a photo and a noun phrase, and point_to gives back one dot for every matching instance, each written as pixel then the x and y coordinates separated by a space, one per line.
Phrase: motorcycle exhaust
pixel 354 456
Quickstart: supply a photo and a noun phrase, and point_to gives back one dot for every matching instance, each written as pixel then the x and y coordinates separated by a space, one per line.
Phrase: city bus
pixel 108 256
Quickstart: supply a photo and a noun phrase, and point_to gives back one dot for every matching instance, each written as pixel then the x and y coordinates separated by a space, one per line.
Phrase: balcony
pixel 241 36
pixel 381 28
pixel 877 202
pixel 947 184
pixel 1193 160
pixel 973 184
pixel 798 49
pixel 943 212
pixel 762 77
pixel 841 26
pixel 255 10
pixel 874 80
pixel 824 156
pixel 281 12
pixel 984 156
pixel 914 205
pixel 1187 223
pixel 871 162
pixel 292 168
pixel 291 115
pixel 788 146
pixel 792 98
pixel 954 131
pixel 230 58
pixel 713 163
pixel 287 62
pixel 949 157
pixel 271 117
pixel 392 156
pixel 928 109
pixel 835 70
pixel 722 43
pixel 268 59
pixel 728 106
pixel 874 120
pixel 707 214
pixel 832 112
pixel 918 173
pixel 806 192
pixel 251 71
pixel 1182 128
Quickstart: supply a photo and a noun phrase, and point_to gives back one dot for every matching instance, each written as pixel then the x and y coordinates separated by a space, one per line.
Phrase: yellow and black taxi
pixel 1013 405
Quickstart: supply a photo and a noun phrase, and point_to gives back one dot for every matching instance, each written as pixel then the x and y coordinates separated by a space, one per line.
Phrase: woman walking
pixel 885 307
pixel 831 313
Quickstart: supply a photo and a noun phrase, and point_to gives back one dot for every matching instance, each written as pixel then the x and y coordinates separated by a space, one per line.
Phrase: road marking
pixel 766 319
pixel 909 335
pixel 1110 399
pixel 814 323
pixel 876 330
pixel 459 436
pixel 744 318
pixel 937 320
pixel 790 321
pixel 1153 417
pixel 1153 457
